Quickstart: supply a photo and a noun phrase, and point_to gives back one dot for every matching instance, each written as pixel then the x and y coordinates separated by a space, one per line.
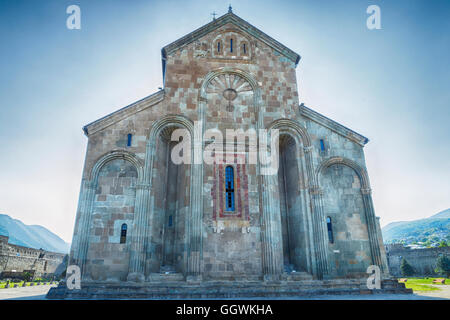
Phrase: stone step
pixel 165 277
pixel 296 276
pixel 183 290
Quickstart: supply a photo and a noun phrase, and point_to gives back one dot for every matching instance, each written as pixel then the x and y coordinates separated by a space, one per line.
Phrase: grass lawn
pixel 423 284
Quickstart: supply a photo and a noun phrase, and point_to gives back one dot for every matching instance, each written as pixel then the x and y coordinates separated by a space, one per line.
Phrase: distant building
pixel 415 246
pixel 16 260
pixel 423 260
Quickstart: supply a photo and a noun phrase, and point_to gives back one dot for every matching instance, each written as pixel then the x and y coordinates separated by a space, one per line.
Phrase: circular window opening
pixel 230 94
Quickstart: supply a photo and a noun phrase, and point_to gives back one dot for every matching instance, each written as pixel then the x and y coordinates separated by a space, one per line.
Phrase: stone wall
pixel 113 207
pixel 349 249
pixel 423 261
pixel 18 259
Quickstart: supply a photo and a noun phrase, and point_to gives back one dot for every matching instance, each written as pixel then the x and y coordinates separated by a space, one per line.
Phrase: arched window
pixel 330 230
pixel 123 233
pixel 130 136
pixel 229 188
pixel 322 145
pixel 218 47
pixel 231 45
pixel 244 48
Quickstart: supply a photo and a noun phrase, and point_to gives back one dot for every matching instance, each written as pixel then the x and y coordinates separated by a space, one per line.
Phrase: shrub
pixel 27 276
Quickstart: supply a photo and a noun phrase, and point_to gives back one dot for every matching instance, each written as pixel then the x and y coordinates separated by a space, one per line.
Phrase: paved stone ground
pixel 443 293
pixel 39 292
pixel 25 293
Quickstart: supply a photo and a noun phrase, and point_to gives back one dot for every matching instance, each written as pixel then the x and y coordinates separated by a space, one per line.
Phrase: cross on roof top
pixel 214 14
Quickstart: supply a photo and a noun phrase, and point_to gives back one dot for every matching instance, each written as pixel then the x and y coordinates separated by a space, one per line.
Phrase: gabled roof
pixel 332 125
pixel 123 113
pixel 230 17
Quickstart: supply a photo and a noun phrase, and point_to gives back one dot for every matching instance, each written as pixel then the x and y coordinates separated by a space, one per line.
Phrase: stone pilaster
pixel 271 229
pixel 143 213
pixel 85 203
pixel 195 223
pixel 372 228
pixel 320 233
pixel 307 206
pixel 136 268
pixel 196 195
pixel 271 242
pixel 319 250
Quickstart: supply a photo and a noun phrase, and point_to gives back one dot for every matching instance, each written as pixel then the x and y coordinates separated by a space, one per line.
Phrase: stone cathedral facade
pixel 142 218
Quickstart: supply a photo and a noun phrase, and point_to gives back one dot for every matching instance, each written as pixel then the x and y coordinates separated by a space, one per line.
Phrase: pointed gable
pixel 240 24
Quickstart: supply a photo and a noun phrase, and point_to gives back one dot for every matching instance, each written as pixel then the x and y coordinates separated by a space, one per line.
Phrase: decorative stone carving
pixel 229 85
pixel 307 149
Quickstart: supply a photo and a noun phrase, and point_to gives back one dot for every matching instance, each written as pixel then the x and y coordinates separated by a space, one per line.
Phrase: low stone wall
pixel 15 260
pixel 422 260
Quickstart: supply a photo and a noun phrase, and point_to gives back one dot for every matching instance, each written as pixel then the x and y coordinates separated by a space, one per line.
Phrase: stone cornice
pixel 123 113
pixel 332 125
pixel 242 25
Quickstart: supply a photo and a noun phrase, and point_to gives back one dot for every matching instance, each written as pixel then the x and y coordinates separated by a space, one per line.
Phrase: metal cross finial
pixel 230 9
pixel 214 14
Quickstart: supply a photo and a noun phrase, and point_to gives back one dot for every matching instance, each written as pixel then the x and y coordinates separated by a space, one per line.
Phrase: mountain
pixel 32 236
pixel 443 214
pixel 434 229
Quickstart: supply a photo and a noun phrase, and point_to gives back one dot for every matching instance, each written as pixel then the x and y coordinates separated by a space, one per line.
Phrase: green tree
pixel 442 244
pixel 406 269
pixel 443 265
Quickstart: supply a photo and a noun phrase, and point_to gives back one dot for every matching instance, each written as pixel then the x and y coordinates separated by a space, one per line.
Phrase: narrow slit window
pixel 170 221
pixel 218 46
pixel 330 230
pixel 229 188
pixel 231 45
pixel 322 145
pixel 130 136
pixel 243 47
pixel 123 233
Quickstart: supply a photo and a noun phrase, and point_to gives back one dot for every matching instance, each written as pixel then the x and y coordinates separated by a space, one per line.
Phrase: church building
pixel 143 219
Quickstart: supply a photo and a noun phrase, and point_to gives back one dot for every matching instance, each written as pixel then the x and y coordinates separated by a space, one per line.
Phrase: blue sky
pixel 391 85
